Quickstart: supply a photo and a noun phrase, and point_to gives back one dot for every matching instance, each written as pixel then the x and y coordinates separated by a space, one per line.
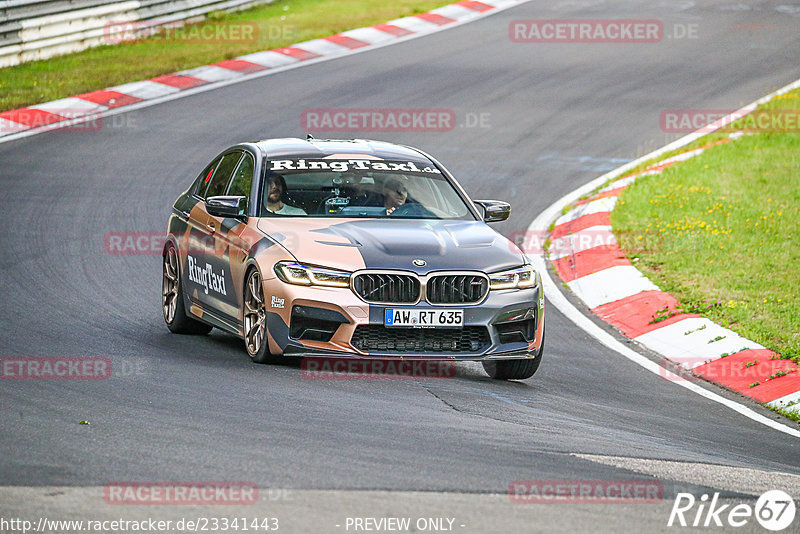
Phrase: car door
pixel 232 242
pixel 207 273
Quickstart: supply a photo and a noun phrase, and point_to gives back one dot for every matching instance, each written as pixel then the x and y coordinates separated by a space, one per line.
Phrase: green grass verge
pixel 793 415
pixel 280 24
pixel 721 232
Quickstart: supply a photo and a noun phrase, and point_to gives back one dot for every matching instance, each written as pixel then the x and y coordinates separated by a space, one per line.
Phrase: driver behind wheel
pixel 395 194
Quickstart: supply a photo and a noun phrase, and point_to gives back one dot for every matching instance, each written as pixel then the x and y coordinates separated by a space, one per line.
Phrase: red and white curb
pixel 556 298
pixel 90 106
pixel 591 264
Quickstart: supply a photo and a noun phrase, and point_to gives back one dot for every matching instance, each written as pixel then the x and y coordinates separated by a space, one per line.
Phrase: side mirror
pixel 227 206
pixel 494 210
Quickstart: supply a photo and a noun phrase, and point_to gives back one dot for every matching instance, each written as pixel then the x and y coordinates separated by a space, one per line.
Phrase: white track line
pixel 554 295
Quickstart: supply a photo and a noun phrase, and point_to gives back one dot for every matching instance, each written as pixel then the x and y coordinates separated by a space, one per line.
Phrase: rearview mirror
pixel 494 210
pixel 227 206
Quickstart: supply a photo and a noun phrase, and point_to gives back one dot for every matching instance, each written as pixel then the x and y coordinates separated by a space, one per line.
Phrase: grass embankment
pixel 721 233
pixel 280 24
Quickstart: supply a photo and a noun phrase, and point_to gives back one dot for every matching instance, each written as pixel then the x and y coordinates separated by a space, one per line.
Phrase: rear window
pixel 222 175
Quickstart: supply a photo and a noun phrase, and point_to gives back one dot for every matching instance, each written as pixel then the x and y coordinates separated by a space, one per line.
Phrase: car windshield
pixel 374 188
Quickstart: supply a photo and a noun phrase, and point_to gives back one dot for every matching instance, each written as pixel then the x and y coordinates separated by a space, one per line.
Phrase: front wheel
pixel 255 320
pixel 172 299
pixel 514 369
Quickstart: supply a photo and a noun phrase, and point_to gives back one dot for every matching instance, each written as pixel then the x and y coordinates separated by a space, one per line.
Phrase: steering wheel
pixel 412 209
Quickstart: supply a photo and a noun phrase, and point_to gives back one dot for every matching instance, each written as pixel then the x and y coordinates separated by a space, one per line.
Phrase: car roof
pixel 320 148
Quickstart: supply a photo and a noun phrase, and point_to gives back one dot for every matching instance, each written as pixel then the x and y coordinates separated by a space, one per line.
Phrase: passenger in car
pixel 275 197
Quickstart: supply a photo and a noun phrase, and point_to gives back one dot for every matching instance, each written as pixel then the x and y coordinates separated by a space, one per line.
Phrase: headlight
pixel 519 278
pixel 292 272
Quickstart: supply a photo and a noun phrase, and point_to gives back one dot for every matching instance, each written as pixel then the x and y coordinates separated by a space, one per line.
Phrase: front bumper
pixel 334 322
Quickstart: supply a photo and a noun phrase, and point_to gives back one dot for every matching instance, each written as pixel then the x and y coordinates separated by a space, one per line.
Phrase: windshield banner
pixel 348 165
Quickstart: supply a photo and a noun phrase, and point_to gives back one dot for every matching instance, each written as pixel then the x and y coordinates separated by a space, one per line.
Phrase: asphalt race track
pixel 184 408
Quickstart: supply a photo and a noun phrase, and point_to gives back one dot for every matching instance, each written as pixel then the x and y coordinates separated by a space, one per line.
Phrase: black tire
pixel 255 320
pixel 514 369
pixel 172 305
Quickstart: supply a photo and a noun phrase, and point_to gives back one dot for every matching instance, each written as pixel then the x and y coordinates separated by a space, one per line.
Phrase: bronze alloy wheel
pixel 169 286
pixel 255 315
pixel 172 298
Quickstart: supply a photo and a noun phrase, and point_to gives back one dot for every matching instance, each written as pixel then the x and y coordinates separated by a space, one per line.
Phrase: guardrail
pixel 38 29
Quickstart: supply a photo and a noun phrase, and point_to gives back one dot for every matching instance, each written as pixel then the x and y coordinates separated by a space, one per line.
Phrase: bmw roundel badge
pixel 419 263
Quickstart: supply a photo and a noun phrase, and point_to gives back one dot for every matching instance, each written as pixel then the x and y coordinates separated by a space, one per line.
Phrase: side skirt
pixel 214 320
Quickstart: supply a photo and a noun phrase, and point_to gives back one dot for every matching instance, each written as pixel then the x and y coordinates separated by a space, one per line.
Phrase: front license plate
pixel 417 318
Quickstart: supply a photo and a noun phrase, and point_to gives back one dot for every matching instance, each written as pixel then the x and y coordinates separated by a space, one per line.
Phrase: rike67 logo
pixel 774 510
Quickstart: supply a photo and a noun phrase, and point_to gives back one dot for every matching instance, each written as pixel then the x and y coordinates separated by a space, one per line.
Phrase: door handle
pixel 211 227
